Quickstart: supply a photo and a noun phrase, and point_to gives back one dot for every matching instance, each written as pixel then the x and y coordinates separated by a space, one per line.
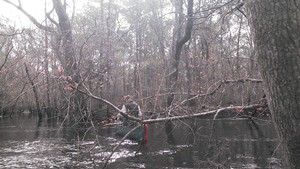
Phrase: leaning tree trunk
pixel 180 41
pixel 275 24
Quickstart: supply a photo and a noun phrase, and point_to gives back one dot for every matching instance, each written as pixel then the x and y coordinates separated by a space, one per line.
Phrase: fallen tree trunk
pixel 215 113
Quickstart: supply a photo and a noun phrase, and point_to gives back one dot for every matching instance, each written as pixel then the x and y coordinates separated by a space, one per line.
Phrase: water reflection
pixel 236 144
pixel 169 126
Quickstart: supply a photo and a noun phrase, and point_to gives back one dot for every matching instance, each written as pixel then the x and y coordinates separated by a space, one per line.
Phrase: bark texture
pixel 275 25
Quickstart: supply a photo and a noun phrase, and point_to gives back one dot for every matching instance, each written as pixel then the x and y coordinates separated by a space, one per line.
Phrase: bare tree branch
pixel 30 17
pixel 212 112
pixel 88 93
pixel 82 46
pixel 51 19
pixel 220 84
pixel 12 34
pixel 6 57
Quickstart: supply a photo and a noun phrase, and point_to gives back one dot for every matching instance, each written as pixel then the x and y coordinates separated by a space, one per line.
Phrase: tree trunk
pixel 35 92
pixel 46 66
pixel 180 41
pixel 275 24
pixel 69 61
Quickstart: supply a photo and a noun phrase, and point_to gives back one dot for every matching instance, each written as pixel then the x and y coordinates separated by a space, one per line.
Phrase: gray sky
pixel 34 7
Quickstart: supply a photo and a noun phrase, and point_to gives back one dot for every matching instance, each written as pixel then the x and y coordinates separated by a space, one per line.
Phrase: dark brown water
pixel 234 144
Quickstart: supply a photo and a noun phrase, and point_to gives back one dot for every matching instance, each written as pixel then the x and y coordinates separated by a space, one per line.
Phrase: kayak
pixel 139 135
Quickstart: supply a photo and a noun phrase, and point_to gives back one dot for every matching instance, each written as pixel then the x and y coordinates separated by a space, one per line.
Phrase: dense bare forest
pixel 177 58
pixel 116 48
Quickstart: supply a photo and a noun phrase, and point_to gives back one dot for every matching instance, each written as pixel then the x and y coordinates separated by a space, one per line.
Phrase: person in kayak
pixel 131 108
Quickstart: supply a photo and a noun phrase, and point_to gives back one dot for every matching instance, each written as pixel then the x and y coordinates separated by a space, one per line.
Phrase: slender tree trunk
pixel 17 100
pixel 275 24
pixel 47 62
pixel 35 92
pixel 101 50
pixel 188 76
pixel 238 60
pixel 138 54
pixel 108 50
pixel 180 41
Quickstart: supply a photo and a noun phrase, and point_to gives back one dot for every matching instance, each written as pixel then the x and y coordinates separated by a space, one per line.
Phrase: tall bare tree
pixel 179 42
pixel 69 61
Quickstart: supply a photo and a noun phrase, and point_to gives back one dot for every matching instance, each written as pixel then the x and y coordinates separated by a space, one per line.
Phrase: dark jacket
pixel 132 109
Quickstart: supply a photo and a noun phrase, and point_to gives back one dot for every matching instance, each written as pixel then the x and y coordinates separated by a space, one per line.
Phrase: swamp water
pixel 197 143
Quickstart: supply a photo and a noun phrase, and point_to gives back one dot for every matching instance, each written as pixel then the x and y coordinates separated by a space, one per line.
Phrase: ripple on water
pixel 24 154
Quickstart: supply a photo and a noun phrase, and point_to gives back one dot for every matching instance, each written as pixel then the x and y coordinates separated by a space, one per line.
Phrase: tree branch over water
pixel 220 84
pixel 214 112
pixel 210 91
pixel 88 93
